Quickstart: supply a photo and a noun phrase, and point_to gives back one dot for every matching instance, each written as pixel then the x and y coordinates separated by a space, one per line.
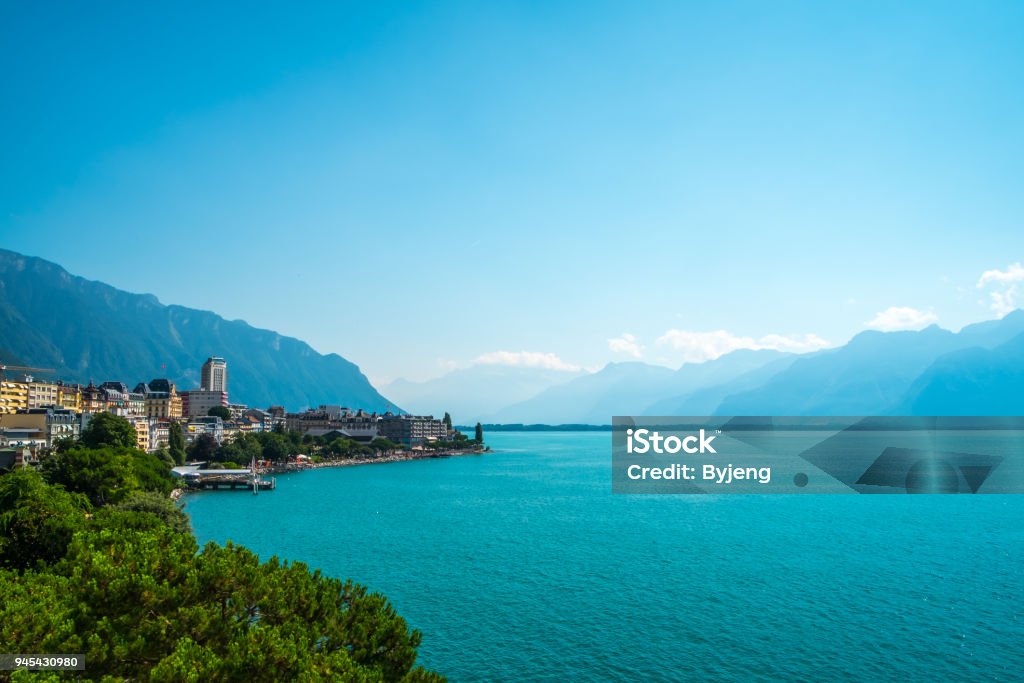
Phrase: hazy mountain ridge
pixel 977 371
pixel 89 330
pixel 974 381
pixel 592 398
pixel 471 394
pixel 705 400
pixel 879 373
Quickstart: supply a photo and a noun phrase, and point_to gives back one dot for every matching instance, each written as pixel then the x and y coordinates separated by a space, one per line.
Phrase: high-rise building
pixel 214 375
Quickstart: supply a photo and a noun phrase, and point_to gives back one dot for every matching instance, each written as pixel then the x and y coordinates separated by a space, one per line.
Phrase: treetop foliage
pixel 107 429
pixel 96 559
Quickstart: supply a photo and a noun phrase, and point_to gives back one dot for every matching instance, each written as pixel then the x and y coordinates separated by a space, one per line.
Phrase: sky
pixel 427 186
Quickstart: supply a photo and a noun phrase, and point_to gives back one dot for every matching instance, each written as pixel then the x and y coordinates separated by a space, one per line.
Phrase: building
pixel 94 400
pixel 408 430
pixel 161 399
pixel 197 403
pixel 48 425
pixel 278 417
pixel 22 445
pixel 120 401
pixel 357 425
pixel 214 375
pixel 13 396
pixel 141 425
pixel 210 424
pixel 70 397
pixel 255 420
pixel 412 430
pixel 159 434
pixel 42 394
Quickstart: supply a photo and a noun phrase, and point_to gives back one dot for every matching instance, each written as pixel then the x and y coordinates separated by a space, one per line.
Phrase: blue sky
pixel 423 186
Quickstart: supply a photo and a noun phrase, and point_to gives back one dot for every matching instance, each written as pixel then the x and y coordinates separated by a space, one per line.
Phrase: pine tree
pixel 176 443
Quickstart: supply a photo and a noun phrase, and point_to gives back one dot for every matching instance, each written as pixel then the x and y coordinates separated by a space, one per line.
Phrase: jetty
pixel 248 479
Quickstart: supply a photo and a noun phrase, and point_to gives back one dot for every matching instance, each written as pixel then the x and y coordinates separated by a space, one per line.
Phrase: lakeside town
pixel 202 426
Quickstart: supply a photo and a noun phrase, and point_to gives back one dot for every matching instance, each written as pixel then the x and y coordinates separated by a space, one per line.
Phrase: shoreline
pixel 401 456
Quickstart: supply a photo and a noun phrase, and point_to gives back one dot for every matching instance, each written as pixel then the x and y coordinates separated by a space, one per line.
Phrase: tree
pixel 479 435
pixel 107 429
pixel 160 506
pixel 165 457
pixel 124 585
pixel 241 448
pixel 37 521
pixel 103 475
pixel 382 445
pixel 151 473
pixel 343 447
pixel 219 411
pixel 142 604
pixel 203 447
pixel 448 421
pixel 276 446
pixel 176 443
pixel 294 441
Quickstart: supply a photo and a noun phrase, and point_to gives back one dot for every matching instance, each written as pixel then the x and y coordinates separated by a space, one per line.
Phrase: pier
pixel 245 479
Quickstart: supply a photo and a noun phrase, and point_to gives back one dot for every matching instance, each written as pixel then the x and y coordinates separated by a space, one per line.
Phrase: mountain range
pixel 473 393
pixel 976 371
pixel 88 330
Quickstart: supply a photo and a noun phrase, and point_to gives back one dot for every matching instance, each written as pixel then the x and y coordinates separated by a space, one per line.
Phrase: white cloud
pixel 627 344
pixel 527 359
pixel 1004 298
pixel 1015 273
pixel 901 318
pixel 697 347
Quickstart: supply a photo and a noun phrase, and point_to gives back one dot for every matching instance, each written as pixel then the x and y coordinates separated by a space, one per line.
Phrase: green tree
pixel 151 473
pixel 143 604
pixel 103 475
pixel 448 421
pixel 165 457
pixel 294 442
pixel 276 446
pixel 382 445
pixel 176 443
pixel 219 411
pixel 37 521
pixel 204 447
pixel 107 429
pixel 124 585
pixel 479 433
pixel 241 448
pixel 342 447
pixel 160 506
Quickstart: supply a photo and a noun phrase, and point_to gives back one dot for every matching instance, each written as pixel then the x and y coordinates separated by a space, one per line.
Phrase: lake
pixel 522 565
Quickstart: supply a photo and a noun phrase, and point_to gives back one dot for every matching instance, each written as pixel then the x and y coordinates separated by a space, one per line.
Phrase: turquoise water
pixel 522 565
